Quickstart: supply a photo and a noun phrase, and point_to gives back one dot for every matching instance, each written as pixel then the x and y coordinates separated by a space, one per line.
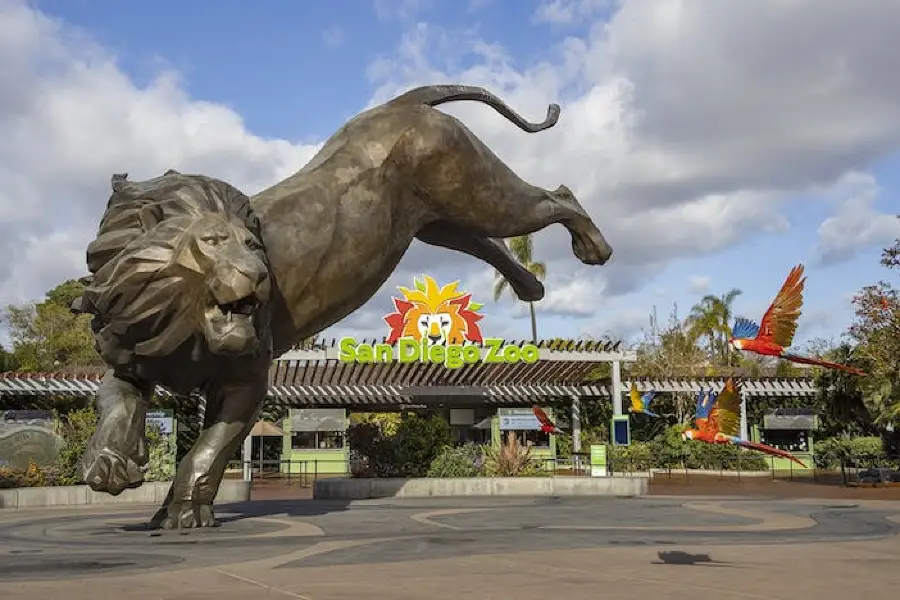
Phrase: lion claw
pixel 184 516
pixel 111 472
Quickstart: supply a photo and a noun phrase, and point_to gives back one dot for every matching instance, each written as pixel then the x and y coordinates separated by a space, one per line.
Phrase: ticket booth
pixel 790 429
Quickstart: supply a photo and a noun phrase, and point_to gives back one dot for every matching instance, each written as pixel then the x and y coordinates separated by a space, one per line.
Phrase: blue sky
pixel 737 199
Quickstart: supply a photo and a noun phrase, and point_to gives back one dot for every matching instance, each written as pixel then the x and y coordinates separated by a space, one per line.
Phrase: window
pixel 531 437
pixel 790 440
pixel 317 440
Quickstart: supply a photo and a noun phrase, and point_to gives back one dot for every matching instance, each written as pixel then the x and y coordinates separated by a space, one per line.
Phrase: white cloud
pixel 685 128
pixel 399 9
pixel 565 12
pixel 333 37
pixel 856 225
pixel 70 119
pixel 698 284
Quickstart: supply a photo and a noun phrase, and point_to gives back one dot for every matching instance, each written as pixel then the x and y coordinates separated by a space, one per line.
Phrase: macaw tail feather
pixel 822 363
pixel 767 450
pixel 650 414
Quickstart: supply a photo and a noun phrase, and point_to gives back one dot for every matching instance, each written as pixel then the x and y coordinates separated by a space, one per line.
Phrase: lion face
pixel 227 263
pixel 442 326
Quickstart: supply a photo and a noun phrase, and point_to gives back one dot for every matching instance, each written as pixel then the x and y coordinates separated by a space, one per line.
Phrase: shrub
pixel 831 451
pixel 510 459
pixel 458 461
pixel 407 453
pixel 76 428
pixel 161 460
pixel 11 477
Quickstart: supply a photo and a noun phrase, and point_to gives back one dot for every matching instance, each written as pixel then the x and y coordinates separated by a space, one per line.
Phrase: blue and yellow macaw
pixel 640 403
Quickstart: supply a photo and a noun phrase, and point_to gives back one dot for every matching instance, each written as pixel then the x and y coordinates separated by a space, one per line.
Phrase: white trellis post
pixel 617 387
pixel 576 423
pixel 744 432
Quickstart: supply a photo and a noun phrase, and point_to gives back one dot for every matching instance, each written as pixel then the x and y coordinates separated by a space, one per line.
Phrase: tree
pixel 522 247
pixel 47 336
pixel 672 352
pixel 711 318
pixel 876 334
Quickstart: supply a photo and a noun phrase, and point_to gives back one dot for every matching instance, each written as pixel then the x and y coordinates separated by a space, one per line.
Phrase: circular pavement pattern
pixel 54 544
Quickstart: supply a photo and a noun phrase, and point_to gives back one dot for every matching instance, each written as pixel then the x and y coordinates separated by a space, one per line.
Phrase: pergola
pixel 315 377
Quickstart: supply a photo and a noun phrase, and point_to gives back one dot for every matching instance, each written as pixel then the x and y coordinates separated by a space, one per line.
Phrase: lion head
pixel 433 313
pixel 442 325
pixel 177 259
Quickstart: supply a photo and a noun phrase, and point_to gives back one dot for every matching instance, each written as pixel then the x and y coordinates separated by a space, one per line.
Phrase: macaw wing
pixel 779 324
pixel 647 398
pixel 705 402
pixel 744 329
pixel 635 396
pixel 725 416
pixel 542 417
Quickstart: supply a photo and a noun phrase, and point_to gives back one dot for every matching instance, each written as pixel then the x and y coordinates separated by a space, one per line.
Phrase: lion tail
pixel 433 95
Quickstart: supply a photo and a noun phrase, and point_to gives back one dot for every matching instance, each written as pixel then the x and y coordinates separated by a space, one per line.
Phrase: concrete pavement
pixel 664 547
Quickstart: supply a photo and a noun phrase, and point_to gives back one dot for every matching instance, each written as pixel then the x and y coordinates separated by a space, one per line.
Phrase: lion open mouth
pixel 245 306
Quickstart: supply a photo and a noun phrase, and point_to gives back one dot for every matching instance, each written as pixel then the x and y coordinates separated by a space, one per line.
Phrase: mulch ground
pixel 711 485
pixel 672 485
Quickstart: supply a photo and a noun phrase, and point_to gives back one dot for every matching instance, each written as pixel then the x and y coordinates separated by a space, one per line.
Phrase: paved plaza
pixel 485 548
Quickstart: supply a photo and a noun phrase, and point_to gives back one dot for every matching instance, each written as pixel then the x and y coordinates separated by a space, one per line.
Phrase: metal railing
pixel 299 472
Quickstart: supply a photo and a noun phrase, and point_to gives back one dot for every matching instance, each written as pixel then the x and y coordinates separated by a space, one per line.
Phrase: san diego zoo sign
pixel 439 325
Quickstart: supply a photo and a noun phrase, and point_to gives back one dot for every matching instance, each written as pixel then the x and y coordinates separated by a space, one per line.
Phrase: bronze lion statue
pixel 196 288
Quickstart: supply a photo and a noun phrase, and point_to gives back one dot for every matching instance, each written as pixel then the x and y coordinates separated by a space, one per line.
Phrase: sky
pixel 715 145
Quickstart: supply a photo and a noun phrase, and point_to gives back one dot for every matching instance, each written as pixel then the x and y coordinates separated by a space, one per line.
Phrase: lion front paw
pixel 184 516
pixel 108 471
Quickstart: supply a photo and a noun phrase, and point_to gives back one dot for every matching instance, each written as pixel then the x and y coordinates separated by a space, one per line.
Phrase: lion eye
pixel 212 240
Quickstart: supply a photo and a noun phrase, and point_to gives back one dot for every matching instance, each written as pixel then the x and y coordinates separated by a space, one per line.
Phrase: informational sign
pixel 164 418
pixel 518 419
pixel 621 430
pixel 318 419
pixel 598 460
pixel 28 436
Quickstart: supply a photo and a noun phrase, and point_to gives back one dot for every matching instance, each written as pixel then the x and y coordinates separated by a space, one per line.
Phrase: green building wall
pixel 314 462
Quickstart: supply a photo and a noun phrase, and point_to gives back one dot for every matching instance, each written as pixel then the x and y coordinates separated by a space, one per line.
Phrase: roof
pixel 754 386
pixel 266 429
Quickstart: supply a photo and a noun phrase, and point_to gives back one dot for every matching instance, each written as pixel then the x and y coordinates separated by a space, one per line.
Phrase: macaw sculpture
pixel 547 426
pixel 720 422
pixel 640 403
pixel 776 330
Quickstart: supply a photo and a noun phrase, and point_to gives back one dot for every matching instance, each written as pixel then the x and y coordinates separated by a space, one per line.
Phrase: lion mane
pixel 143 302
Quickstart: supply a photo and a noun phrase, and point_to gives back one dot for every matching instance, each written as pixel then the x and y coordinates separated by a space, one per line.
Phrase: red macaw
pixel 722 424
pixel 778 326
pixel 547 426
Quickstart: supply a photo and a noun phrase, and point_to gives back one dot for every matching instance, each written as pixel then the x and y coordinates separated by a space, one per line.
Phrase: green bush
pixel 670 451
pixel 161 450
pixel 458 461
pixel 76 428
pixel 409 452
pixel 831 451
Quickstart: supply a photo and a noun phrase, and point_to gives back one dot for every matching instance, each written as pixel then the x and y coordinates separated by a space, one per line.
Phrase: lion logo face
pixel 439 315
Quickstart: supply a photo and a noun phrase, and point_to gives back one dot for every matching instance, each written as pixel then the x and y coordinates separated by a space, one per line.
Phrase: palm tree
pixel 711 317
pixel 522 248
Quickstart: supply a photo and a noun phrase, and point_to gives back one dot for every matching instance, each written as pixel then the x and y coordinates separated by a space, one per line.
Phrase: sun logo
pixel 440 315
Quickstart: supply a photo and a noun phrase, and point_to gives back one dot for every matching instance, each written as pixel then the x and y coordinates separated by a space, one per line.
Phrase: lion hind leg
pixel 463 182
pixel 494 252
